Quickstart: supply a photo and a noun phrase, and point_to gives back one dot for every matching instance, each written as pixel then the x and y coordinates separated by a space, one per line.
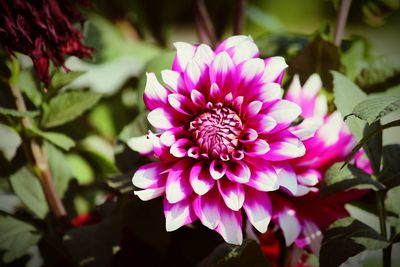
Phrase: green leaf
pixel 392 205
pixel 58 139
pixel 16 237
pixel 347 96
pixel 60 169
pixel 373 147
pixel 101 153
pixel 68 106
pixel 18 114
pixel 61 78
pixel 28 85
pixel 390 174
pixel 381 74
pixel 350 177
pixel 81 169
pixel 372 109
pixel 354 58
pixel 368 136
pixel 138 127
pixel 346 238
pixel 248 254
pixel 27 187
pixel 9 141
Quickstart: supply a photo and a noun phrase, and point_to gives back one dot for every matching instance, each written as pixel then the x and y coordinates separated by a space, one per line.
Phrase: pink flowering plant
pixel 133 133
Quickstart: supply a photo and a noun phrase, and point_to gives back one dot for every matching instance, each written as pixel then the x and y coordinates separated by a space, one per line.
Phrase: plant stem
pixel 341 20
pixel 239 17
pixel 41 167
pixel 204 26
pixel 386 252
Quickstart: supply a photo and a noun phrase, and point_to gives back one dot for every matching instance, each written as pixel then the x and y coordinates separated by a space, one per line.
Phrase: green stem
pixel 386 252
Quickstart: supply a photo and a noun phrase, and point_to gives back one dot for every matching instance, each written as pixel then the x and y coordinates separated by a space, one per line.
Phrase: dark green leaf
pixel 355 57
pixel 138 127
pixel 390 174
pixel 18 114
pixel 319 56
pixel 27 187
pixel 58 139
pixel 67 106
pixel 16 237
pixel 393 207
pixel 369 135
pixel 61 78
pixel 248 254
pixel 347 96
pixel 345 238
pixel 59 168
pixel 373 147
pixel 28 85
pixel 350 177
pixel 372 109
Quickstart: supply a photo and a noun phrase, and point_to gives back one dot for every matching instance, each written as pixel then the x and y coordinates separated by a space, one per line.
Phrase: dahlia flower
pixel 222 137
pixel 42 30
pixel 304 215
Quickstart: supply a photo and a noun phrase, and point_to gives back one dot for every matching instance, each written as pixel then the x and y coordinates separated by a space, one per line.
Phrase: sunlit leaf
pixel 59 139
pixel 68 106
pixel 16 237
pixel 350 177
pixel 27 187
pixel 347 96
pixel 9 141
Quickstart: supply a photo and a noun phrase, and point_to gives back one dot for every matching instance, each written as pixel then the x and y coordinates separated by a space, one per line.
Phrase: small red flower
pixel 43 30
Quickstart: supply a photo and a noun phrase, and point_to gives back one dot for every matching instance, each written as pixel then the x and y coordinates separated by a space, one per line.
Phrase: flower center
pixel 216 131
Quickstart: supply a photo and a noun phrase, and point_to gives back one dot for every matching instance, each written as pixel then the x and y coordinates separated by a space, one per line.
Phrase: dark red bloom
pixel 43 30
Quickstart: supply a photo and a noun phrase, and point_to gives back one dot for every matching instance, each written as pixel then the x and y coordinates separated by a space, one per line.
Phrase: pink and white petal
pixel 262 123
pixel 288 147
pixel 307 128
pixel 290 226
pixel 240 47
pixel 232 193
pixel 258 147
pixel 184 54
pixel 312 237
pixel 150 175
pixel 303 190
pixel 252 69
pixel 274 66
pixel 217 169
pixel 294 91
pixel 204 55
pixel 223 72
pixel 270 92
pixel 200 179
pixel 206 208
pixel 321 106
pixel 258 208
pixel 248 135
pixel 178 214
pixel 238 171
pixel 287 177
pixel 172 79
pixel 197 98
pixel 309 177
pixel 180 148
pixel 230 225
pixel 163 118
pixel 150 193
pixel 155 95
pixel 312 86
pixel 263 175
pixel 252 109
pixel 284 111
pixel 192 74
pixel 140 144
pixel 181 104
pixel 177 186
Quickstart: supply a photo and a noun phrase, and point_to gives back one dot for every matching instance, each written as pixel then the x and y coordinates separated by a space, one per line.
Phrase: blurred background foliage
pixel 86 118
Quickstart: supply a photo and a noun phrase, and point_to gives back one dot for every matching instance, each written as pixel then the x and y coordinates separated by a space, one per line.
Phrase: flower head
pixel 303 216
pixel 222 137
pixel 43 30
